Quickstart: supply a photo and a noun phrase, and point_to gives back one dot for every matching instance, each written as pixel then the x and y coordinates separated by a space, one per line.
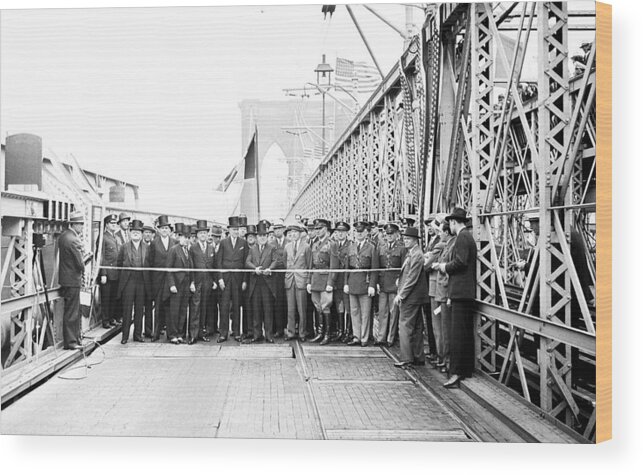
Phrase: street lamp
pixel 323 71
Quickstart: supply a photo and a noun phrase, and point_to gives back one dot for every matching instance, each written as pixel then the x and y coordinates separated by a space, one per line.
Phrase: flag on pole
pixel 356 76
pixel 249 200
pixel 230 178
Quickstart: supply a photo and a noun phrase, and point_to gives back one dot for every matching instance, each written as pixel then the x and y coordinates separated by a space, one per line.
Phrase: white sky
pixel 151 94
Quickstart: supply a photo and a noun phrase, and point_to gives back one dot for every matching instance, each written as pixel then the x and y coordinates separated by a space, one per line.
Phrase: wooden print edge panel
pixel 604 222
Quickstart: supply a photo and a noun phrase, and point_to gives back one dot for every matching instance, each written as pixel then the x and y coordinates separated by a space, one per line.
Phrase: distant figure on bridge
pixel 132 284
pixel 462 291
pixel 70 273
pixel 233 252
pixel 412 294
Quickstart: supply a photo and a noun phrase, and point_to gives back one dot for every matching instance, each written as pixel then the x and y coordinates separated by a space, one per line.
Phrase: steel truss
pixel 443 131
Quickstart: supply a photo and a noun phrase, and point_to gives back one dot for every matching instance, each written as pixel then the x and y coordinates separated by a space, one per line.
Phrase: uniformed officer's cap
pixel 322 223
pixel 392 228
pixel 111 217
pixel 360 226
pixel 342 226
pixel 381 224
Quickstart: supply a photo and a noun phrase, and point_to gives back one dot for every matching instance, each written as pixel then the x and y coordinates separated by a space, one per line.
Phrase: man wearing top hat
pixel 233 252
pixel 243 226
pixel 70 273
pixel 215 294
pixel 298 256
pixel 202 256
pixel 461 292
pixel 148 320
pixel 412 294
pixel 122 234
pixel 262 258
pixel 109 277
pixel 390 255
pixel 320 284
pixel 157 257
pixel 132 284
pixel 339 260
pixel 180 287
pixel 360 286
pixel 281 306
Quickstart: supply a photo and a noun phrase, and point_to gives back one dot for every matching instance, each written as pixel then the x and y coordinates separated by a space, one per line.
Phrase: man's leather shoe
pixel 302 339
pixel 418 363
pixel 269 340
pixel 139 339
pixel 123 341
pixel 191 341
pixel 221 339
pixel 155 338
pixel 238 338
pixel 113 322
pixel 288 338
pixel 74 346
pixel 279 335
pixel 364 345
pixel 175 341
pixel 402 364
pixel 106 325
pixel 205 338
pixel 354 342
pixel 453 382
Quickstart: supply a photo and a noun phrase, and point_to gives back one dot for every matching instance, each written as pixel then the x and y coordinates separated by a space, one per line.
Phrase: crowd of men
pixel 306 280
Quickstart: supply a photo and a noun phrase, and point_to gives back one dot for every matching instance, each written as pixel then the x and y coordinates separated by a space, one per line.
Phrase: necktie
pixel 296 247
pixel 185 251
pixel 260 249
pixel 359 247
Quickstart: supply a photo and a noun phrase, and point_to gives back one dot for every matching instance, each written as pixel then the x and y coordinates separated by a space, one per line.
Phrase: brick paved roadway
pixel 258 391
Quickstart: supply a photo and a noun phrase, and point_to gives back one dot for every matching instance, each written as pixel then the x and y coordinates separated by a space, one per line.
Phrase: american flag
pixel 356 76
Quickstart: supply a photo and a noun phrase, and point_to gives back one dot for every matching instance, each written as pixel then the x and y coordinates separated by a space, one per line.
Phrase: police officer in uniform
pixel 320 284
pixel 338 260
pixel 391 255
pixel 109 277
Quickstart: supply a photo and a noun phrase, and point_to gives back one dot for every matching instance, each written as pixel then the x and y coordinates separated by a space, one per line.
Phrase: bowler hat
pixel 411 232
pixel 217 231
pixel 202 225
pixel 252 229
pixel 181 229
pixel 458 214
pixel 263 227
pixel 342 226
pixel 147 227
pixel 234 222
pixel 136 225
pixel 163 221
pixel 123 216
pixel 76 217
pixel 110 217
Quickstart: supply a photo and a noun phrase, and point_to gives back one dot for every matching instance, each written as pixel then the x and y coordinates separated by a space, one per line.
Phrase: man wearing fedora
pixel 298 256
pixel 157 257
pixel 360 286
pixel 338 260
pixel 202 256
pixel 180 286
pixel 232 255
pixel 123 228
pixel 461 292
pixel 320 284
pixel 262 258
pixel 390 255
pixel 281 306
pixel 70 274
pixel 132 284
pixel 412 294
pixel 109 277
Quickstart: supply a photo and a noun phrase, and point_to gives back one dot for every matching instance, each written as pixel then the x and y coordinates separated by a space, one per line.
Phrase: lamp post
pixel 323 70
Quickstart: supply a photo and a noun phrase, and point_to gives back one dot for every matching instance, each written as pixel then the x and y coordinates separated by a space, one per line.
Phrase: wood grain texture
pixel 604 222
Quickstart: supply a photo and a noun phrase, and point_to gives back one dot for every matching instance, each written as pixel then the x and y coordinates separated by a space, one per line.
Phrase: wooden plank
pixel 604 222
pixel 424 435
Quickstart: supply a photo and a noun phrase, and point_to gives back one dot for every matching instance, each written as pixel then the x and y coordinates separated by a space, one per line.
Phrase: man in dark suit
pixel 298 256
pixel 338 260
pixel 132 284
pixel 215 295
pixel 461 293
pixel 109 277
pixel 412 293
pixel 281 306
pixel 202 256
pixel 179 284
pixel 263 259
pixel 122 233
pixel 233 252
pixel 390 255
pixel 249 233
pixel 157 257
pixel 360 286
pixel 148 313
pixel 70 272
